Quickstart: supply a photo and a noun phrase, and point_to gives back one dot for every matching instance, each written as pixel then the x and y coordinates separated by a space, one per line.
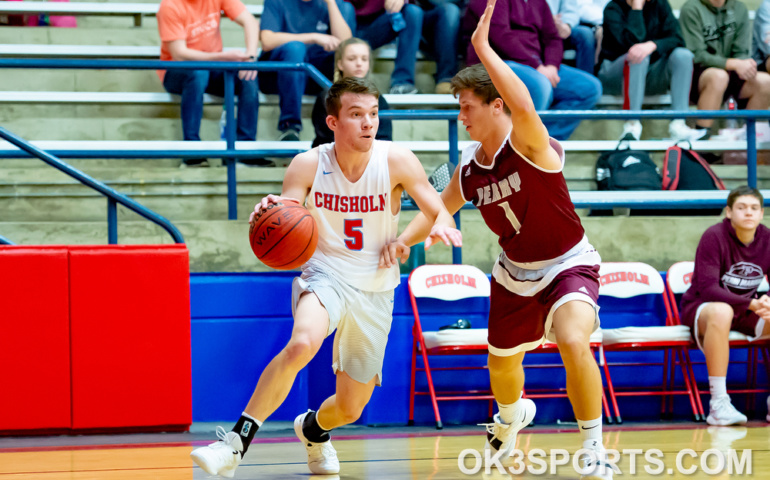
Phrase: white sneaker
pixel 501 437
pixel 679 130
pixel 321 457
pixel 722 412
pixel 632 130
pixel 595 466
pixel 222 457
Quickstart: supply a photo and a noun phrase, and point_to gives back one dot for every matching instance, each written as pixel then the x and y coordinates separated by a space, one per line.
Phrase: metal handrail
pixel 113 196
pixel 5 241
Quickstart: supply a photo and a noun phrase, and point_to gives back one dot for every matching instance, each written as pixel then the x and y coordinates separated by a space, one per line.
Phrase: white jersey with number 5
pixel 354 220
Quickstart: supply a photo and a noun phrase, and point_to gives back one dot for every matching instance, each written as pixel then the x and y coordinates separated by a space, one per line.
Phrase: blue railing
pixel 113 196
pixel 5 241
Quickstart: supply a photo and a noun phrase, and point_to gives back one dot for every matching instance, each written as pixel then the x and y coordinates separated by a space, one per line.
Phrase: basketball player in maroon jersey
pixel 545 283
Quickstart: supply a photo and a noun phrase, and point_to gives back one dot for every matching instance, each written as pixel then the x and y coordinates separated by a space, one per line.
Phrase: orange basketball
pixel 284 236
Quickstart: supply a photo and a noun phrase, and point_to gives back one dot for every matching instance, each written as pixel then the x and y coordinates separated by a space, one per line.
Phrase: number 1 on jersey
pixel 511 216
pixel 355 240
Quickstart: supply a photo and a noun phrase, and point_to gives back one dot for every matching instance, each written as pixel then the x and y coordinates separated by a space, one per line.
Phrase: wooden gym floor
pixel 367 452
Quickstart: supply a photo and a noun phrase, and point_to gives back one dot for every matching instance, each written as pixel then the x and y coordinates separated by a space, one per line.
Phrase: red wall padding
pixel 130 326
pixel 34 339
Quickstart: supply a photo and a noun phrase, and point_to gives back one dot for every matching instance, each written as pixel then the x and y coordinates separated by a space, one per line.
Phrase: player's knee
pixel 573 346
pixel 300 351
pixel 718 316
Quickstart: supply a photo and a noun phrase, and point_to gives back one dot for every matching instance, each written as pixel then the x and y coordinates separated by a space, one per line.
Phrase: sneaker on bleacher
pixel 679 130
pixel 722 412
pixel 632 130
pixel 403 89
pixel 289 135
pixel 443 88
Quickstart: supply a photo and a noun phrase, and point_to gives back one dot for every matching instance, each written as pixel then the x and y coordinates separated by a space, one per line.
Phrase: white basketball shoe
pixel 722 412
pixel 221 457
pixel 501 437
pixel 595 463
pixel 321 457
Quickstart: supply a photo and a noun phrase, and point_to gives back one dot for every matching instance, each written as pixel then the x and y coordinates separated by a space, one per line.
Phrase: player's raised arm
pixel 529 135
pixel 296 182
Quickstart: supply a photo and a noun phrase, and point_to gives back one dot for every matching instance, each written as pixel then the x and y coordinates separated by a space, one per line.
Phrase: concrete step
pixel 223 245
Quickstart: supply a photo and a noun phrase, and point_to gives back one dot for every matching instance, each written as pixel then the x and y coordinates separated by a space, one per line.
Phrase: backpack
pixel 625 169
pixel 684 169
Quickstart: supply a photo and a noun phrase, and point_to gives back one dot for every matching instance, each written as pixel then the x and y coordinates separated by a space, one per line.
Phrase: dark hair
pixel 744 190
pixel 358 86
pixel 476 78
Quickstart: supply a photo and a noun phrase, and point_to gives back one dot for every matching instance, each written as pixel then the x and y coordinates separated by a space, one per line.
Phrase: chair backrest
pixel 628 279
pixel 448 282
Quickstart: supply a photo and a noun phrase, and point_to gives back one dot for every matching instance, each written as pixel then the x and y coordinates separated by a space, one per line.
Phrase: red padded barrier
pixel 34 339
pixel 130 324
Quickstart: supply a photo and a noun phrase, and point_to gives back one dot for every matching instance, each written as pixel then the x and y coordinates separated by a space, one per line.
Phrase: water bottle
pixel 397 21
pixel 732 123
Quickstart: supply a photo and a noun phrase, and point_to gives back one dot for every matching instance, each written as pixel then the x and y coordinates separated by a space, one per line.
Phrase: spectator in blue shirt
pixel 297 31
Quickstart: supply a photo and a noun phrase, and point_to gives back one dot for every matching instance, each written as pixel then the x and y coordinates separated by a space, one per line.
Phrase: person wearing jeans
pixel 642 38
pixel 380 22
pixel 189 31
pixel 440 33
pixel 300 31
pixel 525 36
pixel 566 16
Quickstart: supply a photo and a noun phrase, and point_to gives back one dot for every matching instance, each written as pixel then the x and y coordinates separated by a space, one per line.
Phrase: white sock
pixel 591 432
pixel 717 387
pixel 508 412
pixel 259 423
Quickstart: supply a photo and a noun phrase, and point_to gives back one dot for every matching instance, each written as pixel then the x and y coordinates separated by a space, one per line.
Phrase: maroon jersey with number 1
pixel 528 207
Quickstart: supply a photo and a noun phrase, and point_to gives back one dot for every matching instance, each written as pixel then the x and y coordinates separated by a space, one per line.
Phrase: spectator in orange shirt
pixel 189 30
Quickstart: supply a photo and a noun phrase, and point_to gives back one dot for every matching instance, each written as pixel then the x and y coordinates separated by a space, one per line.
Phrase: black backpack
pixel 625 169
pixel 684 169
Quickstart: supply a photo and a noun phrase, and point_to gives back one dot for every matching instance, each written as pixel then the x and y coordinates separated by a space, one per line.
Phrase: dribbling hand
pixel 262 206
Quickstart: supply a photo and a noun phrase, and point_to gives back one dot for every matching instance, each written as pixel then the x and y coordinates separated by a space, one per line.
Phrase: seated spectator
pixel 383 21
pixel 351 60
pixel 525 36
pixel 566 16
pixel 440 33
pixel 642 41
pixel 731 260
pixel 718 33
pixel 190 31
pixel 761 43
pixel 297 31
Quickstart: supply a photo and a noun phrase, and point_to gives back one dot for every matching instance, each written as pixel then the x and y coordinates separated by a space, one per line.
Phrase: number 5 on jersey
pixel 355 240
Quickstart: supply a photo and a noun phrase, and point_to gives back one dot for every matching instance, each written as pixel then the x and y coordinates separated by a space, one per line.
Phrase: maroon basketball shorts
pixel 521 323
pixel 746 322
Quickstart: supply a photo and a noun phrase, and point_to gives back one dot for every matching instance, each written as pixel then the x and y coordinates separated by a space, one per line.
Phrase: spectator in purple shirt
pixel 524 34
pixel 730 263
pixel 380 22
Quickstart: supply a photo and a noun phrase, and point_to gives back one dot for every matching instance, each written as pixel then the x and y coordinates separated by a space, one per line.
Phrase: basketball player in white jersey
pixel 352 188
pixel 545 282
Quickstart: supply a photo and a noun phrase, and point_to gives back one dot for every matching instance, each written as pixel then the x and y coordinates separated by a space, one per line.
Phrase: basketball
pixel 284 235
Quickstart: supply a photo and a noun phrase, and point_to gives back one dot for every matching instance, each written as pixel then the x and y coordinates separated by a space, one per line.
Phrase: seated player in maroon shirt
pixel 731 261
pixel 545 282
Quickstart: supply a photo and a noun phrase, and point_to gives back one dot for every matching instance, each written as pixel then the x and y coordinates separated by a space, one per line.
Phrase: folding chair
pixel 679 279
pixel 628 295
pixel 447 283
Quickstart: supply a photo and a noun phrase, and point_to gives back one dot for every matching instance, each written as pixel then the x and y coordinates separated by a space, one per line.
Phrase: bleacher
pixel 127 112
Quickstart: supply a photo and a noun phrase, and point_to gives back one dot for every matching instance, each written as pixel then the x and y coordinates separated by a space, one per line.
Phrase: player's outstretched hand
pixel 261 206
pixel 440 233
pixel 392 252
pixel 481 36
